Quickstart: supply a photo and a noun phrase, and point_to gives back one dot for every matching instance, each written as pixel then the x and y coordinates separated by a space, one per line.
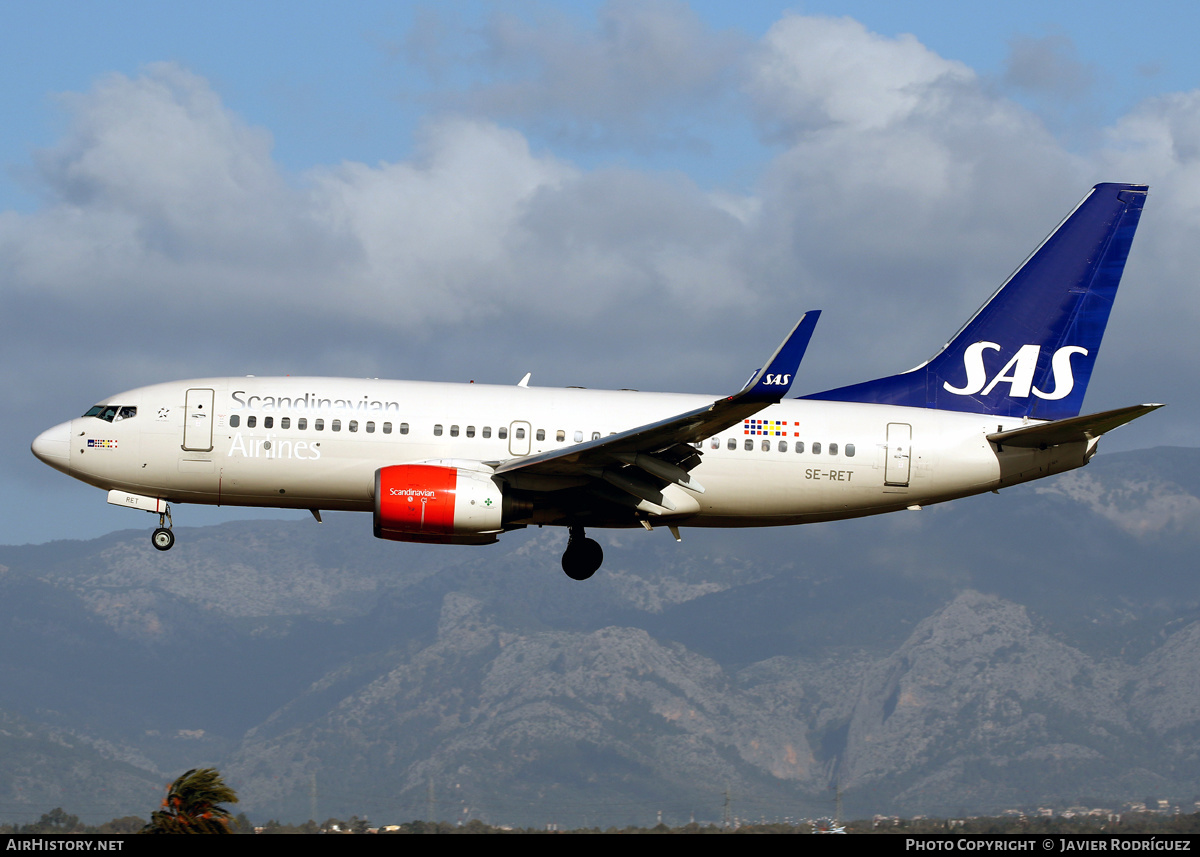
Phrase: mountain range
pixel 1040 647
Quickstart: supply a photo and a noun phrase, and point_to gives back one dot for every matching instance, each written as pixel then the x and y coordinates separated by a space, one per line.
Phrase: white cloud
pixel 904 179
pixel 813 72
pixel 164 136
pixel 158 192
pixel 1048 65
pixel 897 189
pixel 204 233
pixel 640 75
pixel 437 234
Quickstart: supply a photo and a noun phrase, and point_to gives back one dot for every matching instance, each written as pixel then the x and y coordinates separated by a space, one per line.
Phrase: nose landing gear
pixel 582 556
pixel 162 538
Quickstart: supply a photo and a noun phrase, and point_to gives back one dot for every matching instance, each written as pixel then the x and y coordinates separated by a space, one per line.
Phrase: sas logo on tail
pixel 1017 372
pixel 777 380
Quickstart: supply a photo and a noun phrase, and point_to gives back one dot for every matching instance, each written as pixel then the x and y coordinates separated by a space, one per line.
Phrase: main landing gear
pixel 163 539
pixel 582 556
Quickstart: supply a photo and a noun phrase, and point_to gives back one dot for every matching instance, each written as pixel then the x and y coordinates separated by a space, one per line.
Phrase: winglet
pixel 640 447
pixel 772 382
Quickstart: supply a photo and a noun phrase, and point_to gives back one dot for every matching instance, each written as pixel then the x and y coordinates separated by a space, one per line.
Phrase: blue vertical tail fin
pixel 1029 351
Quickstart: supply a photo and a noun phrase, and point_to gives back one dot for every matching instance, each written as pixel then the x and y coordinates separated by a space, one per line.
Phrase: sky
pixel 605 194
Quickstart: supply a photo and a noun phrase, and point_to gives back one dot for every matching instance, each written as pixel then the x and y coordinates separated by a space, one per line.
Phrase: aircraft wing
pixel 1072 430
pixel 660 449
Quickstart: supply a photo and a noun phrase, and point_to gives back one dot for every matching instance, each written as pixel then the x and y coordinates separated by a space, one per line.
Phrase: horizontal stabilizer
pixel 1073 430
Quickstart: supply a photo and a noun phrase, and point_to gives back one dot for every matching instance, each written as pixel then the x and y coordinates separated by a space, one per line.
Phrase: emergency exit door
pixel 899 455
pixel 198 421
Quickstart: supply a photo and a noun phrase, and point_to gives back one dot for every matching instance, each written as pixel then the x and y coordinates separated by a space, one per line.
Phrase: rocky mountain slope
pixel 1037 647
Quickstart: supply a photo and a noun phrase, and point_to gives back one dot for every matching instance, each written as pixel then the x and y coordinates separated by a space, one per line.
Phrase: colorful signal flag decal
pixel 102 444
pixel 773 428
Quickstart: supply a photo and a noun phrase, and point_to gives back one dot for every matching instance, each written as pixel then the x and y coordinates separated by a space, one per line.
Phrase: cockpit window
pixel 112 413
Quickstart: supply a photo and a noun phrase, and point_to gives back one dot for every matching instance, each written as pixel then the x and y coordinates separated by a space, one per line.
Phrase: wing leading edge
pixel 660 449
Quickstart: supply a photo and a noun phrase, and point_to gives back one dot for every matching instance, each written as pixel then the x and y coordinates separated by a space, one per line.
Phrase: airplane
pixel 462 464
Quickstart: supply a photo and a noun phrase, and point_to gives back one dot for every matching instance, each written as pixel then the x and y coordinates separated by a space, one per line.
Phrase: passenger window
pixel 319 425
pixel 336 425
pixel 560 435
pixel 302 423
pixel 817 448
pixel 453 431
pixel 715 443
pixel 370 427
pixel 520 434
pixel 251 422
pixel 783 446
pixel 595 435
pixel 487 431
pixel 502 432
pixel 235 421
pixel 579 437
pixel 353 425
pixel 387 428
pixel 541 434
pixel 470 431
pixel 849 450
pixel 749 445
pixel 285 422
pixel 437 430
pixel 268 422
pixel 403 428
pixel 833 449
pixel 766 445
pixel 733 443
pixel 799 446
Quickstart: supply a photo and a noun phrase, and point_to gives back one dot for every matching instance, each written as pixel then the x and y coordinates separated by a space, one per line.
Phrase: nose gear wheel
pixel 162 538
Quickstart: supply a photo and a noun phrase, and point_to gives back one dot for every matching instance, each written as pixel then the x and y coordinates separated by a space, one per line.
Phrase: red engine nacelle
pixel 430 503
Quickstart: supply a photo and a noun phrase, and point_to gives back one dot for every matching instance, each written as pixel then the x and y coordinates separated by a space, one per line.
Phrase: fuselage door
pixel 519 439
pixel 899 452
pixel 198 420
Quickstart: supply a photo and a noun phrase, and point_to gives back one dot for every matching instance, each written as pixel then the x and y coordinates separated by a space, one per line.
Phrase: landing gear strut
pixel 582 556
pixel 163 539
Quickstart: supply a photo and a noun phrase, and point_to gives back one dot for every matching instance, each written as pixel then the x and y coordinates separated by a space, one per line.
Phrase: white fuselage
pixel 316 443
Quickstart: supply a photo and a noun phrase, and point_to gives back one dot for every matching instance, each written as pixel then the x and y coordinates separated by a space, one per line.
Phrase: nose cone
pixel 53 446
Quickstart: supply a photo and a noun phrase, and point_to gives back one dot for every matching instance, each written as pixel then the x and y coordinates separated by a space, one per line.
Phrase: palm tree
pixel 192 805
